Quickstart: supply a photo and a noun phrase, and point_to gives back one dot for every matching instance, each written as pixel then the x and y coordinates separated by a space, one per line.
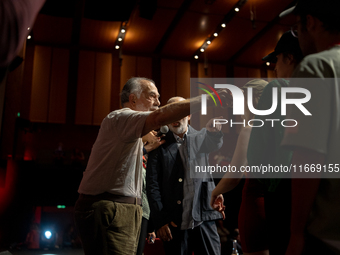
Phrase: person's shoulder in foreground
pixel 324 64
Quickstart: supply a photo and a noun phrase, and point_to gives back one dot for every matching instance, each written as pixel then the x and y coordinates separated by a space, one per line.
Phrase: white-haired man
pixel 108 212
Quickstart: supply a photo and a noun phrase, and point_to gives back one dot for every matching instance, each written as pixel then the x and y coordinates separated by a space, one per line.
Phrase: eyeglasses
pixel 294 32
pixel 293 29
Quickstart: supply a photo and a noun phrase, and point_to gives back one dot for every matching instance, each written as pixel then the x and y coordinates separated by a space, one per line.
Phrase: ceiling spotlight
pixel 268 63
pixel 196 57
pixel 120 39
pixel 28 28
pixel 223 25
pixel 237 9
pixel 208 42
pixel 202 50
pixel 29 37
pixel 117 47
pixel 122 30
pixel 215 34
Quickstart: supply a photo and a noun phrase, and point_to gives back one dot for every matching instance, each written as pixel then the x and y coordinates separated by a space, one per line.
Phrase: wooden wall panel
pixel 219 71
pixel 40 84
pixel 127 70
pixel 102 92
pixel 213 71
pixel 254 73
pixel 244 72
pixel 85 88
pixel 240 72
pixel 27 82
pixel 204 73
pixel 58 86
pixel 168 80
pixel 271 75
pixel 183 79
pixel 115 83
pixel 144 67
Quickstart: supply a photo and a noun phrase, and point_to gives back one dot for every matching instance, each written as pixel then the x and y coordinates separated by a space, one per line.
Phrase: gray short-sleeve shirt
pixel 320 132
pixel 115 164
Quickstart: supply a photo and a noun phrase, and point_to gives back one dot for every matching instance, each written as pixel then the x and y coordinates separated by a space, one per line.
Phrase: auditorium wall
pixel 45 98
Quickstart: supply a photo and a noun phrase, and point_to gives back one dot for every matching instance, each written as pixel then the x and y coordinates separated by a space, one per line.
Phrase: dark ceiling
pixel 170 29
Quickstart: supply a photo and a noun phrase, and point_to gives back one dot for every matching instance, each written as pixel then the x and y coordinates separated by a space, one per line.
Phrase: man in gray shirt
pixel 108 212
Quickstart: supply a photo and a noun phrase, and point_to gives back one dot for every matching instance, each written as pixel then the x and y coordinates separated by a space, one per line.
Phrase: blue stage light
pixel 48 234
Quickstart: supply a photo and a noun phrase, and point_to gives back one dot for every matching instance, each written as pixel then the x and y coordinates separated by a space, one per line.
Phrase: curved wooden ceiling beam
pixel 184 7
pixel 258 35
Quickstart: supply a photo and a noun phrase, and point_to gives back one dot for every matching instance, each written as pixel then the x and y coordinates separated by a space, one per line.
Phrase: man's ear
pixel 290 59
pixel 311 23
pixel 132 99
pixel 189 117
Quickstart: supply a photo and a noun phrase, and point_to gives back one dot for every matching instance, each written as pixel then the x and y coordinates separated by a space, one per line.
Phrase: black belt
pixel 113 197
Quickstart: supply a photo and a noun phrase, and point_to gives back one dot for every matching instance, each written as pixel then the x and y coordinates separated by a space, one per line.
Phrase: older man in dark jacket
pixel 179 204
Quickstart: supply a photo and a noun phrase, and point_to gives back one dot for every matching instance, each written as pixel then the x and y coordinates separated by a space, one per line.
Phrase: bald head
pixel 179 127
pixel 175 100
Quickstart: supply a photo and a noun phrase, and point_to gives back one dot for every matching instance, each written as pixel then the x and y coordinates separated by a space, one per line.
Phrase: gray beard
pixel 177 130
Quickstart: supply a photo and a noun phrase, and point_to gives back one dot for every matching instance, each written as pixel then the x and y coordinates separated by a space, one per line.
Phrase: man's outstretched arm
pixel 176 111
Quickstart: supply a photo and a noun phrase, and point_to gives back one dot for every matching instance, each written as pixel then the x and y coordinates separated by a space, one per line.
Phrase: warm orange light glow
pixel 198 44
